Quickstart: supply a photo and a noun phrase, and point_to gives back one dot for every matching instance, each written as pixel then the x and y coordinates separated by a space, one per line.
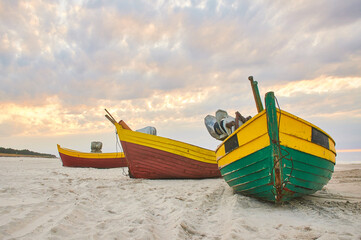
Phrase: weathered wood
pixel 110 115
pixel 256 95
pixel 110 119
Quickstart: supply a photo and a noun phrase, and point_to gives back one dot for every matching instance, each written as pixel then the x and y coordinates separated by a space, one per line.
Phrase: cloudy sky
pixel 168 64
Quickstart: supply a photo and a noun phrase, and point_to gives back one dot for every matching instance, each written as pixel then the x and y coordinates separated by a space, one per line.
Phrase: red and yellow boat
pixel 72 158
pixel 155 157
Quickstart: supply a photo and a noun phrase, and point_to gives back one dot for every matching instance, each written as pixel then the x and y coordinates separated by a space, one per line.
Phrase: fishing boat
pixel 72 158
pixel 276 156
pixel 154 157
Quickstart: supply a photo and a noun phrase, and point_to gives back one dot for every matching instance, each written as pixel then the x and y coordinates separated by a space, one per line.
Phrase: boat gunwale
pixel 167 139
pixel 282 112
pixel 165 144
pixel 243 126
pixel 78 154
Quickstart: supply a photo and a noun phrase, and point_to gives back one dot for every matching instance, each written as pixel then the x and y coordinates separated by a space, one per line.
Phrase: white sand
pixel 40 199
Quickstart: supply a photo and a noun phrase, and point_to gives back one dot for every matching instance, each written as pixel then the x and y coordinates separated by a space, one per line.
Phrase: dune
pixel 41 199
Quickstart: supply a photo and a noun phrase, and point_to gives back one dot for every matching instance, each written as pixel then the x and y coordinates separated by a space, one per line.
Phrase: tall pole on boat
pixel 273 133
pixel 256 96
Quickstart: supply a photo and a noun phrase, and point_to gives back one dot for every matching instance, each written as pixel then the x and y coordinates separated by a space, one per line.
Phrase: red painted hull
pixel 150 163
pixel 70 161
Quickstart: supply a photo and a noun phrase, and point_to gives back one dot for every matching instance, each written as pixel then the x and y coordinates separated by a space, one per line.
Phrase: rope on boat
pixel 282 156
pixel 117 144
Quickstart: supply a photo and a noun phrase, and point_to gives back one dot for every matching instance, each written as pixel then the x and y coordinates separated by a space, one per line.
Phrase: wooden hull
pixel 277 156
pixel 150 163
pixel 71 158
pixel 154 157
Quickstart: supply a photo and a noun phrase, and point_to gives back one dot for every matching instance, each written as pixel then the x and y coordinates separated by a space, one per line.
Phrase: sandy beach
pixel 41 199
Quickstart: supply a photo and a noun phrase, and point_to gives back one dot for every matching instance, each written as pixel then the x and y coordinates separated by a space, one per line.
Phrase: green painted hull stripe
pixel 252 175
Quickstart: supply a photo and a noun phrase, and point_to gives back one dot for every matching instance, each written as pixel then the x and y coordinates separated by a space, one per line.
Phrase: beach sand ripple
pixel 40 199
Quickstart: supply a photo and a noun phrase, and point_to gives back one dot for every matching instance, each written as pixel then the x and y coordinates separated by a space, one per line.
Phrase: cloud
pixel 76 49
pixel 319 85
pixel 55 116
pixel 320 99
pixel 349 150
pixel 158 62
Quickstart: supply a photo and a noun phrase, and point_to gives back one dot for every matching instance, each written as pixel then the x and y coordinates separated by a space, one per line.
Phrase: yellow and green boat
pixel 276 156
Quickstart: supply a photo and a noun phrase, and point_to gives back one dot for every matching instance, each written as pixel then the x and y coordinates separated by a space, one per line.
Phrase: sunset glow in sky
pixel 168 64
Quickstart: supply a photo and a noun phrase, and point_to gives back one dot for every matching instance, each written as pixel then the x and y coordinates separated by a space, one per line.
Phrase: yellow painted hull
pixel 294 133
pixel 167 145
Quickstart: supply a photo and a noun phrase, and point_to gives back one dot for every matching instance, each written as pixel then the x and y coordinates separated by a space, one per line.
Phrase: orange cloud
pixel 323 84
pixel 53 118
pixel 349 150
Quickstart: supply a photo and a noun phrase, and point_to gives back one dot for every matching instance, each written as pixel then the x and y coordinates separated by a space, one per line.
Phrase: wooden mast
pixel 256 96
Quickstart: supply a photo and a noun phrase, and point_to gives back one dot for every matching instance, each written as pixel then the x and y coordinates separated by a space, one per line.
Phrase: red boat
pixel 154 157
pixel 72 158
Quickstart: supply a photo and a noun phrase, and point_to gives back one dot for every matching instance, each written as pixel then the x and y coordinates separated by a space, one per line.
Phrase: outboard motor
pixel 222 125
pixel 148 130
pixel 96 147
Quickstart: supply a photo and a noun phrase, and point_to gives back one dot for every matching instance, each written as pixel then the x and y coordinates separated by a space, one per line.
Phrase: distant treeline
pixel 24 152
